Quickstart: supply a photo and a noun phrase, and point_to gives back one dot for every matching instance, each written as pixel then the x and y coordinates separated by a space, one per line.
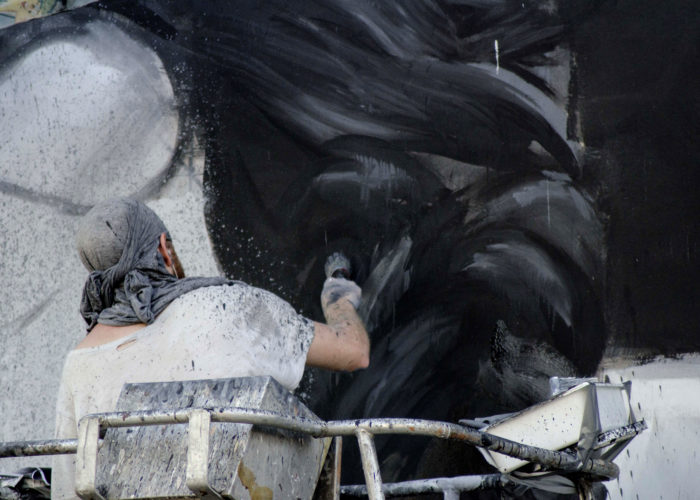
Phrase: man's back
pixel 213 332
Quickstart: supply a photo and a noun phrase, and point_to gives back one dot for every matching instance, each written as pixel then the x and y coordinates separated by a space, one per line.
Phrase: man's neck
pixel 103 334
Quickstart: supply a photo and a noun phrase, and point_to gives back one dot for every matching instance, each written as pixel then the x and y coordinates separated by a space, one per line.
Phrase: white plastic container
pixel 562 420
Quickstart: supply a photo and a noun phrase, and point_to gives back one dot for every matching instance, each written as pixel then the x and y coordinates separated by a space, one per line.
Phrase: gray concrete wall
pixel 42 280
pixel 96 128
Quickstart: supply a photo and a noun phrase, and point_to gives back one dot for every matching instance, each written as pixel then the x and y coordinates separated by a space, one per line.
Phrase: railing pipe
pixel 39 447
pixel 548 458
pixel 370 464
pixel 434 485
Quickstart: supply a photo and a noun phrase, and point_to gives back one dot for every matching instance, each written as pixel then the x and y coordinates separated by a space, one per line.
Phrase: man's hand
pixel 342 343
pixel 335 289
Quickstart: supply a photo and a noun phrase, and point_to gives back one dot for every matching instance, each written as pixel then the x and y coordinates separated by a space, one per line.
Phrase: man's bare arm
pixel 342 343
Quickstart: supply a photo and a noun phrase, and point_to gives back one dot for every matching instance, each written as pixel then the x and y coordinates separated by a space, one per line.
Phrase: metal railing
pixel 450 487
pixel 199 420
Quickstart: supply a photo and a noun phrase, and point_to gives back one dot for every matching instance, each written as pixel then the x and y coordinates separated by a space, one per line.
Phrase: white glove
pixel 335 289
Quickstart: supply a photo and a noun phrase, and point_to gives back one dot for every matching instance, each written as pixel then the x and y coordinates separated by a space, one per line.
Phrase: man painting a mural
pixel 148 323
pixel 513 183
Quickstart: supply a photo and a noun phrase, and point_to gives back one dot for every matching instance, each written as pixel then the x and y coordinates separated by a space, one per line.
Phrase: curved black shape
pixel 324 134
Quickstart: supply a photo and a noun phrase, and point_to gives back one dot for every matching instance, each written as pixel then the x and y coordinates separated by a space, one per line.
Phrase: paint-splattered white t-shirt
pixel 212 332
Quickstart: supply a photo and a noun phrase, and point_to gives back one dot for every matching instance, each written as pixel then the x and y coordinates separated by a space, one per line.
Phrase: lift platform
pixel 249 438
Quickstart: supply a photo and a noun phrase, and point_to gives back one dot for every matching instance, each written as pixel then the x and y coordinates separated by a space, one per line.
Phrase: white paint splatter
pixel 497 53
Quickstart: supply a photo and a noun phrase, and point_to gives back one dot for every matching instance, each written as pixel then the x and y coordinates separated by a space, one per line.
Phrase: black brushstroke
pixel 65 206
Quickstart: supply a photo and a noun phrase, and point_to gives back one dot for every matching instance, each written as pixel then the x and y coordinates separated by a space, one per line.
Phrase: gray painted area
pixel 51 170
pixel 40 318
pixel 40 277
pixel 87 111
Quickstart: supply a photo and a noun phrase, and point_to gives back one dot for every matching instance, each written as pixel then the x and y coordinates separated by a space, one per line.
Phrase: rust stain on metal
pixel 247 478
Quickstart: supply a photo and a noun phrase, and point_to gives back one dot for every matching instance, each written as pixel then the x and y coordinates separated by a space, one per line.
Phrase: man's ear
pixel 163 249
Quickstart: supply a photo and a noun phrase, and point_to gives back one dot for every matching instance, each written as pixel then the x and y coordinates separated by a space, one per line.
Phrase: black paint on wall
pixel 639 103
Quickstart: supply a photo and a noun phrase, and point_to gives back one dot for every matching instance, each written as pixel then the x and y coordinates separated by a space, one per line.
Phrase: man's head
pixel 105 231
pixel 133 267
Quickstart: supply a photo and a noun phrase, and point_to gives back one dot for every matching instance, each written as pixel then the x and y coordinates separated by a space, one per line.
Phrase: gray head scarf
pixel 118 242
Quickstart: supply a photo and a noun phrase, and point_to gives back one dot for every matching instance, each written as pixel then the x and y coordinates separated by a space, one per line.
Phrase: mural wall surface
pixel 515 184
